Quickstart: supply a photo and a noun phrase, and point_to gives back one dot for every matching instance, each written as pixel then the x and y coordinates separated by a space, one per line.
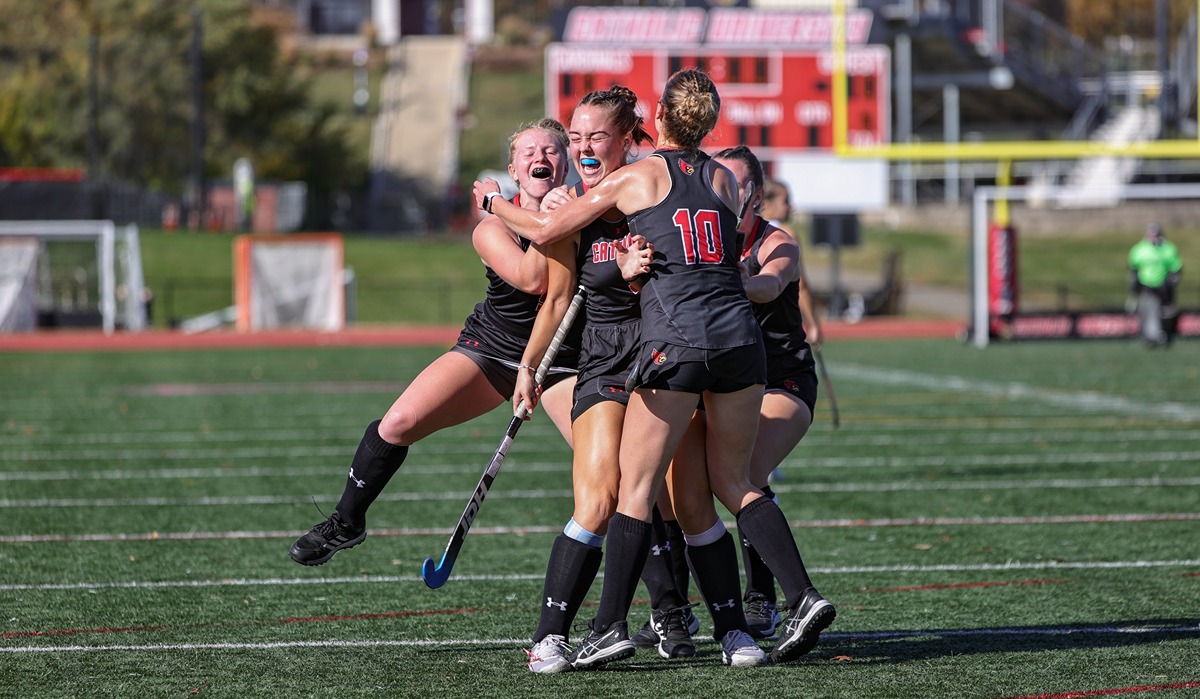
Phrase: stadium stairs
pixel 414 142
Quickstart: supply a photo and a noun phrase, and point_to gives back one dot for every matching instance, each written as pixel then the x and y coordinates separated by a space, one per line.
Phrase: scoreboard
pixel 776 101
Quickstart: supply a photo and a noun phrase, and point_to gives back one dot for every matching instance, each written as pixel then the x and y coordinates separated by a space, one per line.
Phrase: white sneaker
pixel 739 650
pixel 549 655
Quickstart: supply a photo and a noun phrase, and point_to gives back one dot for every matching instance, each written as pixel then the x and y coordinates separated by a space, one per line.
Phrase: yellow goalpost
pixel 1003 153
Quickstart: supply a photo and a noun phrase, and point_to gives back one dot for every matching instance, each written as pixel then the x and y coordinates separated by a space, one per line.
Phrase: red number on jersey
pixel 701 233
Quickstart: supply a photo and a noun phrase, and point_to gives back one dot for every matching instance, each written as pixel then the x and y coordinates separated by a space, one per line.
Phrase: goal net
pixel 1009 303
pixel 289 281
pixel 71 274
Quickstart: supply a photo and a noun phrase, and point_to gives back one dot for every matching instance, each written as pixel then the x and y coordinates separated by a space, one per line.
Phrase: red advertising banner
pixel 1002 274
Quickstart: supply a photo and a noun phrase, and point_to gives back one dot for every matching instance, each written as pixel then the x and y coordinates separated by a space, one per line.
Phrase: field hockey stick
pixel 743 209
pixel 436 575
pixel 828 387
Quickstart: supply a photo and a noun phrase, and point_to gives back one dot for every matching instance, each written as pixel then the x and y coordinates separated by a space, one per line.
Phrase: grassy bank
pixel 438 279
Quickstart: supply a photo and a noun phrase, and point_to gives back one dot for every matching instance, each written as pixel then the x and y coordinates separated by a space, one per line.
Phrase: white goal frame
pixel 251 277
pixel 981 208
pixel 112 263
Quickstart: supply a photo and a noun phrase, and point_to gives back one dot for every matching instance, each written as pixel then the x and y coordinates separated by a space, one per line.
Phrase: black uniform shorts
pixel 695 370
pixel 607 355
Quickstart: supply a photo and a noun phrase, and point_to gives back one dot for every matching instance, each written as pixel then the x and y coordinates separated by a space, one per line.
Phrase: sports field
pixel 1020 521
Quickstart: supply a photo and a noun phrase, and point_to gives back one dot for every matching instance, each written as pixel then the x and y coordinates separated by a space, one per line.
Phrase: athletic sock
pixel 374 464
pixel 765 527
pixel 659 572
pixel 759 578
pixel 679 563
pixel 569 575
pixel 628 544
pixel 716 569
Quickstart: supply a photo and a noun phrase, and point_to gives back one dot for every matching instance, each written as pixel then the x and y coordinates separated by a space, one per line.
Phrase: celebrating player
pixel 480 371
pixel 604 127
pixel 699 338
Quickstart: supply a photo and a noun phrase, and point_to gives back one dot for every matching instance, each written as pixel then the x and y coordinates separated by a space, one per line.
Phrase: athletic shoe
pixel 549 655
pixel 647 637
pixel 761 615
pixel 805 622
pixel 600 648
pixel 324 540
pixel 674 641
pixel 739 650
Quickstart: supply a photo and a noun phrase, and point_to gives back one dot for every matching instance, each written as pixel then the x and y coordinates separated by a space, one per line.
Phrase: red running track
pixel 380 336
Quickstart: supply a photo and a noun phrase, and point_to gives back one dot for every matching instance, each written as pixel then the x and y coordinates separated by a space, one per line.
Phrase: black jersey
pixel 501 324
pixel 609 299
pixel 780 318
pixel 694 296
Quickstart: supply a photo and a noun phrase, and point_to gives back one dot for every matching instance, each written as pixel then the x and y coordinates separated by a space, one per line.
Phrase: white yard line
pixel 1087 401
pixel 521 642
pixel 391 579
pixel 535 494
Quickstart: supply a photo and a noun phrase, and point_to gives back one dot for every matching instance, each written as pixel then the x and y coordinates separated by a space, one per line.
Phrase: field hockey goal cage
pixel 293 280
pixel 71 274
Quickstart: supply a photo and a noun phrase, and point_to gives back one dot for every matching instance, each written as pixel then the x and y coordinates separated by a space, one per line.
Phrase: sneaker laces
pixel 675 618
pixel 329 527
pixel 758 605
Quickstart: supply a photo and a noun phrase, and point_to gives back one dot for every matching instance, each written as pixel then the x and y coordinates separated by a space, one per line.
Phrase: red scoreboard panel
pixel 774 101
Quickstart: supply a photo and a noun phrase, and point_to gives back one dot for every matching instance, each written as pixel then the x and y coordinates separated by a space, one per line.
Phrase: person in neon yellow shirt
pixel 1154 269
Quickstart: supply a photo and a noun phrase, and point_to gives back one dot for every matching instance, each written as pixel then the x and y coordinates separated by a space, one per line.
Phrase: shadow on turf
pixel 902 646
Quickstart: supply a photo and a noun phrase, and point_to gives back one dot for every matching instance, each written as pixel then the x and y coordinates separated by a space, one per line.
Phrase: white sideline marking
pixel 520 642
pixel 892 487
pixel 546 529
pixel 516 577
pixel 799 460
pixel 1090 401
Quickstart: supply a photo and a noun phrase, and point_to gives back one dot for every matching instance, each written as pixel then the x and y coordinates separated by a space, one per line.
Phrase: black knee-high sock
pixel 759 578
pixel 679 563
pixel 628 544
pixel 659 572
pixel 716 569
pixel 764 526
pixel 569 575
pixel 374 464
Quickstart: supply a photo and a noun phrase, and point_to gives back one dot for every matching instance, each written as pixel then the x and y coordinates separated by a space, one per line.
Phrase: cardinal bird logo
pixel 687 168
pixel 658 357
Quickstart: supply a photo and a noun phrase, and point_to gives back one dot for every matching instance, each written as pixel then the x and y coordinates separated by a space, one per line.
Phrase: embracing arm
pixel 560 290
pixel 499 250
pixel 629 189
pixel 780 258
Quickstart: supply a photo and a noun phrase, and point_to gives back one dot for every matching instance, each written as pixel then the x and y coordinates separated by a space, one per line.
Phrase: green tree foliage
pixel 257 104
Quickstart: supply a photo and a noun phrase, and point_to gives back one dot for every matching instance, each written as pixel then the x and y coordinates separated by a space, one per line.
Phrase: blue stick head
pixel 436 575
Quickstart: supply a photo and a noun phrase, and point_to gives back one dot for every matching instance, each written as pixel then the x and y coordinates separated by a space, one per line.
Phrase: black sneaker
pixel 600 648
pixel 761 615
pixel 670 626
pixel 805 622
pixel 646 637
pixel 324 540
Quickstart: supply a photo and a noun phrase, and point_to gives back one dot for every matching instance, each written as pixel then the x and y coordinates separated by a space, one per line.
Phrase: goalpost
pixel 981 221
pixel 1004 153
pixel 293 280
pixel 81 272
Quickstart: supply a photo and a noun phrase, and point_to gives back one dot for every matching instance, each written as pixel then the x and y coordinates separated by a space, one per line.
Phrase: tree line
pixel 106 85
